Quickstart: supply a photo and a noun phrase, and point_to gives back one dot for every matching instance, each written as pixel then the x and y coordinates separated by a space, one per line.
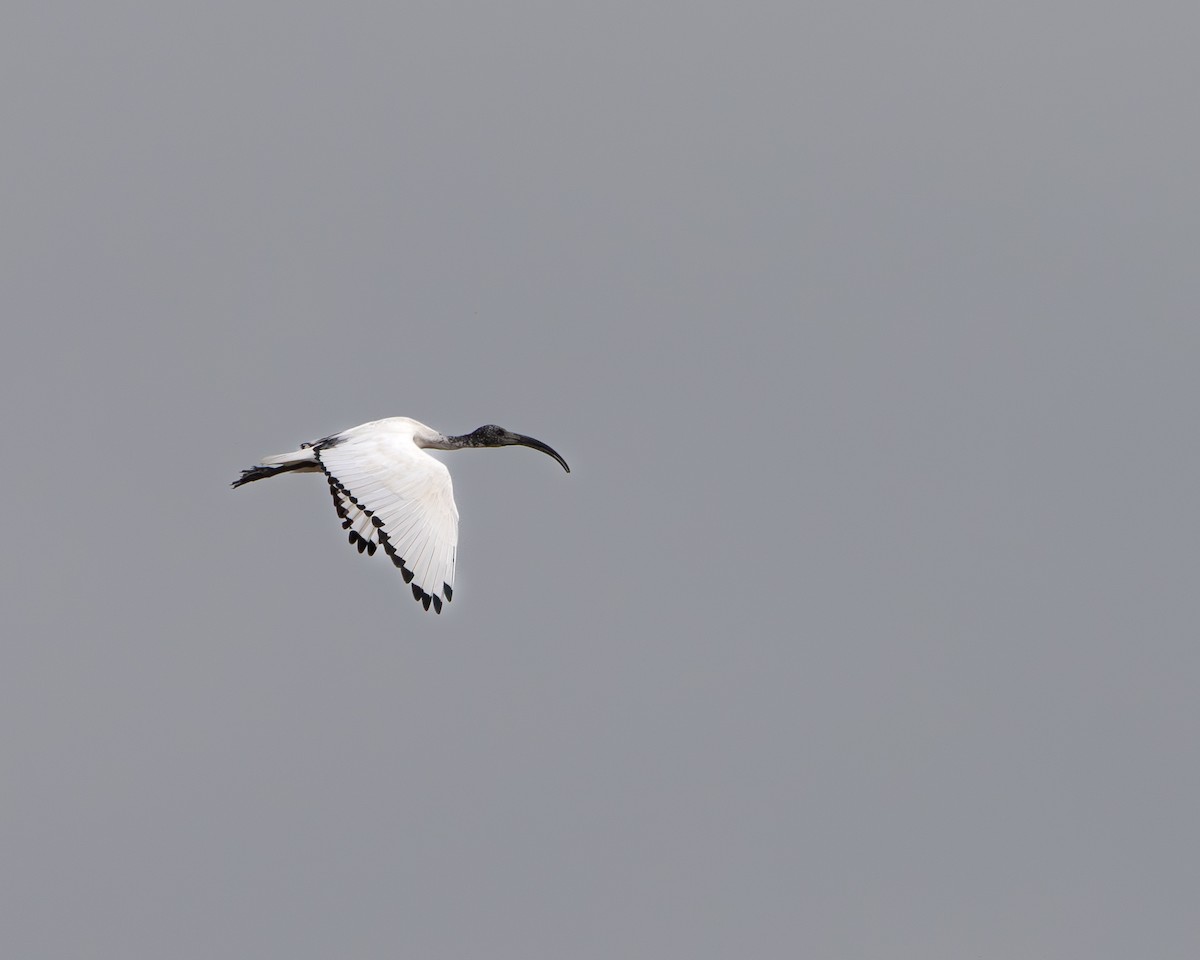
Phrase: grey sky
pixel 865 624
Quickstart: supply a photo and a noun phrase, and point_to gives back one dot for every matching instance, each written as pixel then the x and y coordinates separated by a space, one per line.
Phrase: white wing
pixel 389 493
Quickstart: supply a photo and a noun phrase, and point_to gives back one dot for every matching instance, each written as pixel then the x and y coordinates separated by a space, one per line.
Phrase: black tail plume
pixel 261 473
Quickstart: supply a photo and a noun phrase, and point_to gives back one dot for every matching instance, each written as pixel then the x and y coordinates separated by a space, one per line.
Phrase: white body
pixel 394 495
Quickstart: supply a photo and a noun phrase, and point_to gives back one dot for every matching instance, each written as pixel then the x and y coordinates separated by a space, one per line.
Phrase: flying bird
pixel 389 493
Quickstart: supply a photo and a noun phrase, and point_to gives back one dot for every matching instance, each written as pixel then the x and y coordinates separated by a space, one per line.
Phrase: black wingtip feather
pixel 448 592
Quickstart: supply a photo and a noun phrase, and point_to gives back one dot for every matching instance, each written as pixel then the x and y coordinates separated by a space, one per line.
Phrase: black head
pixel 491 435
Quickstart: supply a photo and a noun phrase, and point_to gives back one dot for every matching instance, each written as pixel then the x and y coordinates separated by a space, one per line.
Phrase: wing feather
pixel 389 492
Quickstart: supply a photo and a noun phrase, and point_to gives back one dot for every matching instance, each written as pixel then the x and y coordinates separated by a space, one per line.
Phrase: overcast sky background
pixel 866 622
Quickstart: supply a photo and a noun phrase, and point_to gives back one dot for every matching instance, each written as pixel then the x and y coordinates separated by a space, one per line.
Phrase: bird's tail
pixel 303 460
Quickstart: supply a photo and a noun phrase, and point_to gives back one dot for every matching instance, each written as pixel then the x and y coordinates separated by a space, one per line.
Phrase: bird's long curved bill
pixel 538 445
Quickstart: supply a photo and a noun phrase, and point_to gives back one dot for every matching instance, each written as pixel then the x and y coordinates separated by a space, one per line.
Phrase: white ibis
pixel 390 493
